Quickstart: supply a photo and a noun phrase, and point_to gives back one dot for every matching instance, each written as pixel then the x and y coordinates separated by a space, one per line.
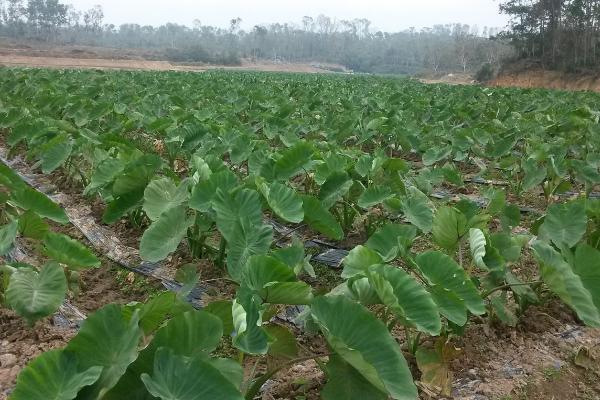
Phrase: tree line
pixel 563 34
pixel 354 44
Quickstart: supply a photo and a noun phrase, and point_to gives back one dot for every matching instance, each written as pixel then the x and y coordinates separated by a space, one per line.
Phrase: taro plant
pixel 34 292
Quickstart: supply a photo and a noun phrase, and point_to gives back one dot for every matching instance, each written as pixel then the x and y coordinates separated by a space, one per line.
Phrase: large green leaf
pixel 320 219
pixel 565 223
pixel 365 343
pixel 53 375
pixel 247 310
pixel 246 239
pixel 587 266
pixel 105 173
pixel 442 271
pixel 109 340
pixel 8 234
pixel 391 240
pixel 293 160
pixel 374 195
pixel 417 210
pixel 561 279
pixel 121 205
pixel 205 191
pixel 358 261
pixel 136 175
pixel 180 378
pixel 449 225
pixel 55 153
pixel 345 382
pixel 406 298
pixel 29 199
pixel 190 334
pixel 275 282
pixel 534 174
pixel 69 251
pixel 35 295
pixel 231 209
pixel 165 234
pixel 162 194
pixel 32 225
pixel 285 202
pixel 334 188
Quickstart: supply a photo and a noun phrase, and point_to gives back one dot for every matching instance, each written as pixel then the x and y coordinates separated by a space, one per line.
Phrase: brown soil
pixel 69 57
pixel 20 344
pixel 527 74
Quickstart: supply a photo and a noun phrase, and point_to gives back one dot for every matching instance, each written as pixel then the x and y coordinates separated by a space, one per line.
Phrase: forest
pixel 562 34
pixel 354 44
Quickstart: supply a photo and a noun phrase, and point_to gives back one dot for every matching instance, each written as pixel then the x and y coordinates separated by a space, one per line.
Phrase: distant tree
pixel 93 18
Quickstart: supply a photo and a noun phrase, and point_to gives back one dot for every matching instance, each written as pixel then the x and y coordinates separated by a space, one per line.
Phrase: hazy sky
pixel 388 15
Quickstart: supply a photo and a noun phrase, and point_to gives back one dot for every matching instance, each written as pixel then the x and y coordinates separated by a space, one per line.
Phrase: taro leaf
pixel 534 174
pixel 334 188
pixel 29 199
pixel 282 342
pixel 8 234
pixel 121 205
pixel 69 251
pixel 179 378
pixel 358 261
pixel 104 174
pixel 188 276
pixel 503 311
pixel 587 266
pixel 285 202
pixel 364 342
pixel 53 375
pixel 246 239
pixel 293 256
pixel 449 225
pixel 345 382
pixel 231 209
pixel 230 369
pixel 165 234
pixel 155 311
pixel 275 282
pixel 222 309
pixel 35 295
pixel 435 154
pixel 417 211
pixel 434 365
pixel 561 279
pixel 477 244
pixel 293 160
pixel 359 289
pixel 136 175
pixel 510 217
pixel 249 337
pixel 564 223
pixel 109 340
pixel 320 219
pixel 32 226
pixel 56 152
pixel 161 195
pixel 451 306
pixel 192 334
pixel 204 192
pixel 374 195
pixel 392 240
pixel 406 298
pixel 441 270
pixel 508 245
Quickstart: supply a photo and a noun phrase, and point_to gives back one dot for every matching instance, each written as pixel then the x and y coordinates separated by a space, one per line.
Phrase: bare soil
pixel 529 74
pixel 37 55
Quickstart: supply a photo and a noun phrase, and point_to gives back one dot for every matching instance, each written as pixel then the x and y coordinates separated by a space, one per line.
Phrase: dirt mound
pixel 531 74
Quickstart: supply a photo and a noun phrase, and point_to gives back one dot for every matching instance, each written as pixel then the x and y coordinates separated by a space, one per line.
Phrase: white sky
pixel 388 15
